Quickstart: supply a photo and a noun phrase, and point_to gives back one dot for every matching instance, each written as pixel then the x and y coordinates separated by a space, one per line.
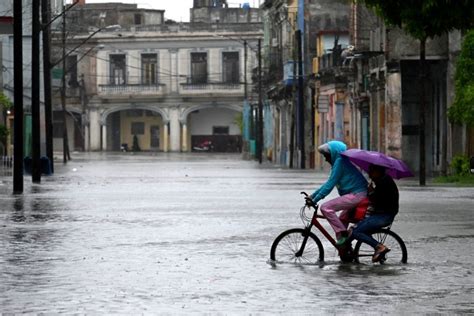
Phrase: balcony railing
pixel 215 86
pixel 131 88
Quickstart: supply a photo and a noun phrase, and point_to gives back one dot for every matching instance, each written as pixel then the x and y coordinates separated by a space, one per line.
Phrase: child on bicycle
pixel 383 196
pixel 350 183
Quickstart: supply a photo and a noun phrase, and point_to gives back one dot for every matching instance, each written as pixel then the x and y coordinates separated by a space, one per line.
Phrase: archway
pixel 134 128
pixel 212 128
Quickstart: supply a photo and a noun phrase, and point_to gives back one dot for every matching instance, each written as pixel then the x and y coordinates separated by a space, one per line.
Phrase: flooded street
pixel 177 233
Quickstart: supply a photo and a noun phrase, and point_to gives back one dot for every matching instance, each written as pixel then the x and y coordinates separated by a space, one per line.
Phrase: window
pixel 230 67
pixel 71 71
pixel 138 19
pixel 138 128
pixel 220 130
pixel 198 68
pixel 117 70
pixel 149 62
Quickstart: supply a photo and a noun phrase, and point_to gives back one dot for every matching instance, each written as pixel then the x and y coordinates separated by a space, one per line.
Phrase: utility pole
pixel 35 93
pixel 18 96
pixel 293 107
pixel 245 118
pixel 66 155
pixel 300 113
pixel 422 113
pixel 260 105
pixel 245 72
pixel 48 113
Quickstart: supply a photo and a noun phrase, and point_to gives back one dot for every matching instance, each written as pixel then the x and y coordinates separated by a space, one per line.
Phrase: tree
pixel 136 146
pixel 423 19
pixel 5 104
pixel 462 110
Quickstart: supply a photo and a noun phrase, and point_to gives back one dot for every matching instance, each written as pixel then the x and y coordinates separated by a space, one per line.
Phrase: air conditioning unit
pixel 274 42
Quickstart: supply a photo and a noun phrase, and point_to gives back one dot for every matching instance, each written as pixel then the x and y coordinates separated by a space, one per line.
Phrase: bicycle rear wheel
pixel 398 252
pixel 286 246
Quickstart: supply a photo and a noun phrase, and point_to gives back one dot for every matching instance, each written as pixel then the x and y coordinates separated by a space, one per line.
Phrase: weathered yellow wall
pixel 143 140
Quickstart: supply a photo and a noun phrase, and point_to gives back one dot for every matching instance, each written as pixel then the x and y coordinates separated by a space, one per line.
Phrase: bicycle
pixel 300 245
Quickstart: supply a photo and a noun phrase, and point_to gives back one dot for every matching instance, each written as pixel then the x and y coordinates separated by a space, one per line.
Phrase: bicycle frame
pixel 319 226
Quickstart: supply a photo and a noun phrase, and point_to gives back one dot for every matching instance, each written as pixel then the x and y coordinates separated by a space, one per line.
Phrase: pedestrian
pixel 350 183
pixel 384 200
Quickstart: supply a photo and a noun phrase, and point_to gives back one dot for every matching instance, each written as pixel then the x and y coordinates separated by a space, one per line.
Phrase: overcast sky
pixel 177 10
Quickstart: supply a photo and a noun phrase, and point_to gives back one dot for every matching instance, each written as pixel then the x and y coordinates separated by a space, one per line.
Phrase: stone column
pixel 94 129
pixel 104 137
pixel 165 137
pixel 175 130
pixel 86 139
pixel 393 114
pixel 184 132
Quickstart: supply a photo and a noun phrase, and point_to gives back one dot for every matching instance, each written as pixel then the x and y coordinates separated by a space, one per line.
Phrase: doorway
pixel 154 137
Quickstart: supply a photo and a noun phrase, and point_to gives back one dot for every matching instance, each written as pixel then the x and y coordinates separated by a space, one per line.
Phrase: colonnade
pixel 175 130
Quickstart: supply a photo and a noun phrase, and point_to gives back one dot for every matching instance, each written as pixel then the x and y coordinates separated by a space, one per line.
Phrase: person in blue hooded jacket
pixel 350 183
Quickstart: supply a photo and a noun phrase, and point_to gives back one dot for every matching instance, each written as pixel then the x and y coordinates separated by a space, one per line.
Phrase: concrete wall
pixel 331 15
pixel 393 132
pixel 201 123
pixel 222 15
pixel 58 141
pixel 82 17
pixel 402 46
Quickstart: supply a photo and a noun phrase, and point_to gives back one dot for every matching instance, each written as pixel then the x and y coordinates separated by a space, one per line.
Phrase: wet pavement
pixel 175 233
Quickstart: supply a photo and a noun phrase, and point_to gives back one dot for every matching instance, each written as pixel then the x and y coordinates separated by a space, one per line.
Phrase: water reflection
pixel 351 269
pixel 29 239
pixel 18 214
pixel 135 235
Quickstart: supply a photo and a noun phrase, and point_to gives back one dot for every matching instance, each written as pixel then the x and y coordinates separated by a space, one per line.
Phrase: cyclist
pixel 383 207
pixel 350 183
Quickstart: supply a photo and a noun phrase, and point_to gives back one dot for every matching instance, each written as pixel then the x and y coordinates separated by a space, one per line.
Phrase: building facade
pixel 160 86
pixel 291 86
pixel 383 90
pixel 362 87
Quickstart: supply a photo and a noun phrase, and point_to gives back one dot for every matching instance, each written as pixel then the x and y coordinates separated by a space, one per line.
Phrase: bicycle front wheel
pixel 287 247
pixel 398 252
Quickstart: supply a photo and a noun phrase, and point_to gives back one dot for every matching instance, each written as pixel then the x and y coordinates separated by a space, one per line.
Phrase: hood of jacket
pixel 336 148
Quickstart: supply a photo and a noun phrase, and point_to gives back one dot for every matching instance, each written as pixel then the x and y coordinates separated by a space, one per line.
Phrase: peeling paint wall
pixel 393 110
pixel 402 46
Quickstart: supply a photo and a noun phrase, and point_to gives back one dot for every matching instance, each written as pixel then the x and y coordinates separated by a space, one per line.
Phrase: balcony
pixel 335 69
pixel 126 89
pixel 223 87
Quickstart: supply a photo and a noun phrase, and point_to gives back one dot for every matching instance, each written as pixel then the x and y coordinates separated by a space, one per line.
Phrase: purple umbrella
pixel 364 158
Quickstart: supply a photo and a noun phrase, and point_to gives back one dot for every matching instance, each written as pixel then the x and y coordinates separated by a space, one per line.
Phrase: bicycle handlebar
pixel 308 200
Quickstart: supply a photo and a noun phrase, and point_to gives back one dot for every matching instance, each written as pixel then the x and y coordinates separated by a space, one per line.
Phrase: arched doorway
pixel 214 128
pixel 134 129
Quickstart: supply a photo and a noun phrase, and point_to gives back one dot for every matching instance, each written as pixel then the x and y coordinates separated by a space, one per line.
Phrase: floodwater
pixel 177 233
